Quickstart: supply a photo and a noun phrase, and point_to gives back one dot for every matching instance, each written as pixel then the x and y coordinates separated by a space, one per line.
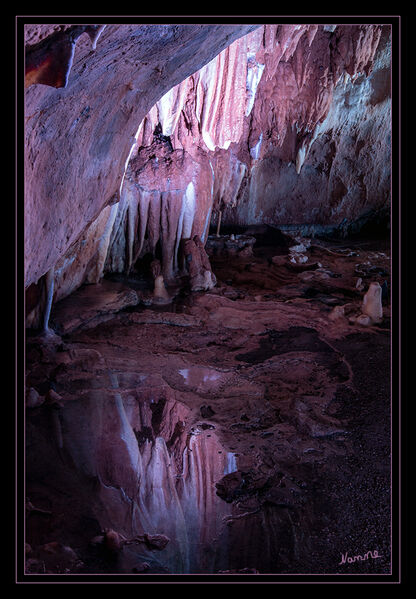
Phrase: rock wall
pixel 288 125
pixel 327 160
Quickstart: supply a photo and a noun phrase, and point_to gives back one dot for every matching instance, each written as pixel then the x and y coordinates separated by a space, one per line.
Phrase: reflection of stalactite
pixel 152 475
pixel 57 428
pixel 219 222
pixel 143 210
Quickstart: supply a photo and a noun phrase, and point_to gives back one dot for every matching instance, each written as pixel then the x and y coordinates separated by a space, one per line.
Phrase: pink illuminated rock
pixel 78 138
pixel 160 293
pixel 50 60
pixel 92 304
pixel 201 276
pixel 292 94
pixel 265 132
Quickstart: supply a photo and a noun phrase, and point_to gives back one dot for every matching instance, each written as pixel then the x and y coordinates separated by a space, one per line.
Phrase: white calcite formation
pixel 372 306
pixel 160 293
pixel 297 253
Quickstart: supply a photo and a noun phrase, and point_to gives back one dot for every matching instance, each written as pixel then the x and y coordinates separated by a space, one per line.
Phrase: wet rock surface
pixel 240 430
pixel 92 304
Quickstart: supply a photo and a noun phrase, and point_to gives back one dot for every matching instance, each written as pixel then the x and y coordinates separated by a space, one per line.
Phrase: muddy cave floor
pixel 298 404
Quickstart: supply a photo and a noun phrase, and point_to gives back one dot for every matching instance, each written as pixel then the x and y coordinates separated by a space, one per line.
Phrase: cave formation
pixel 207 298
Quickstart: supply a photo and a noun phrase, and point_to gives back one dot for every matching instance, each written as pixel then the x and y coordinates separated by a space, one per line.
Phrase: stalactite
pixel 178 236
pixel 154 219
pixel 132 218
pixel 143 208
pixel 115 261
pixel 97 273
pixel 189 208
pixel 49 284
pixel 300 158
pixel 204 235
pixel 168 227
pixel 254 73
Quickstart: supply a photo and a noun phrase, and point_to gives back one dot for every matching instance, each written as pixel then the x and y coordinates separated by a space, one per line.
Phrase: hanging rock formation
pixel 265 132
pixel 78 137
pixel 281 98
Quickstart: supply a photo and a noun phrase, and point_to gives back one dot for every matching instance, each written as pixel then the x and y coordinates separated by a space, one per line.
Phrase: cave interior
pixel 207 299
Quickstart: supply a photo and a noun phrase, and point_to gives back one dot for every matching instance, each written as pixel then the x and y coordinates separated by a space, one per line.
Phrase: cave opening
pixel 208 351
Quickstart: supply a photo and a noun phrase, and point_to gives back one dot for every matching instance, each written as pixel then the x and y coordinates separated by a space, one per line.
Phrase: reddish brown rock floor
pixel 243 424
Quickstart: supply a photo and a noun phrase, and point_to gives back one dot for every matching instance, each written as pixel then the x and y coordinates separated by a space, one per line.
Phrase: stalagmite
pixel 363 320
pixel 201 276
pixel 372 305
pixel 160 294
pixel 359 284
